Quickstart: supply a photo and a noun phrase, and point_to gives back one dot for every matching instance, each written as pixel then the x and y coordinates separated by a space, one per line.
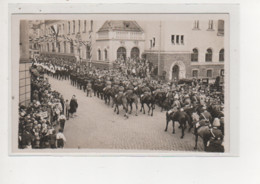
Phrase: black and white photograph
pixel 123 83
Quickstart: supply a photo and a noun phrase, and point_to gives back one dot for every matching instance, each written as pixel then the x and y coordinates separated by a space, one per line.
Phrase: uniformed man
pixel 205 115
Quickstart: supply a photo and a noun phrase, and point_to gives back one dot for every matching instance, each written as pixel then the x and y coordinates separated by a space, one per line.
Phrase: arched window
pixel 222 55
pixel 135 53
pixel 71 48
pixel 64 47
pixel 68 27
pixel 91 25
pixel 221 27
pixel 79 26
pixel 53 49
pixel 99 54
pixel 85 26
pixel 74 26
pixel 208 55
pixel 121 53
pixel 105 53
pixel 195 55
pixel 58 46
pixel 88 52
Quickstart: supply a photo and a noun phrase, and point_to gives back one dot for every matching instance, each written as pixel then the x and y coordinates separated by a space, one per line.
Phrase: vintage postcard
pixel 155 84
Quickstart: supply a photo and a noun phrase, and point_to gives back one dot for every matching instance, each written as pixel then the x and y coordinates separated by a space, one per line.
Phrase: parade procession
pixel 120 85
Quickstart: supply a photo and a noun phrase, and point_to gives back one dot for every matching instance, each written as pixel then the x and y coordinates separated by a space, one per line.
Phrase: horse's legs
pixel 136 108
pixel 167 122
pixel 196 141
pixel 114 108
pixel 173 126
pixel 131 107
pixel 153 107
pixel 143 108
pixel 148 105
pixel 183 126
pixel 117 106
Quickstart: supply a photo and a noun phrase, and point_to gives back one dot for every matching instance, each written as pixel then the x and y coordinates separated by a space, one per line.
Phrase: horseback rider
pixel 205 115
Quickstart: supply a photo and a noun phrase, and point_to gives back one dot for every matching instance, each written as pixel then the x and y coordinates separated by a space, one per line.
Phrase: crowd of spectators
pixel 41 123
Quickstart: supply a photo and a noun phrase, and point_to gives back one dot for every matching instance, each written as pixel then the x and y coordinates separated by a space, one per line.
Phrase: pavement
pixel 96 126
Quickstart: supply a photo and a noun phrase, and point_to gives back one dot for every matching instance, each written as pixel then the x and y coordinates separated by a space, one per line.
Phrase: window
pixel 153 41
pixel 222 55
pixel 177 39
pixel 79 26
pixel 210 25
pixel 73 26
pixel 85 26
pixel 208 55
pixel 209 73
pixel 194 55
pixel 220 27
pixel 48 47
pixel 121 53
pixel 196 24
pixel 58 46
pixel 71 48
pixel 135 53
pixel 68 27
pixel 99 54
pixel 88 52
pixel 53 49
pixel 195 73
pixel 105 53
pixel 182 39
pixel 172 39
pixel 64 47
pixel 91 25
pixel 222 72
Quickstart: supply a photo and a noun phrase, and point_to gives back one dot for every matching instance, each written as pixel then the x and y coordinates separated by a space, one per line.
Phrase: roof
pixel 120 25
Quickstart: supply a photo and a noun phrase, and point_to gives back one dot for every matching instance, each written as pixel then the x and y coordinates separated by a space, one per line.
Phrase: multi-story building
pixel 186 49
pixel 180 49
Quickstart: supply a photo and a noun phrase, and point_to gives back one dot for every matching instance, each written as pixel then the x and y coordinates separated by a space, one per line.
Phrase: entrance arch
pixel 177 70
pixel 121 53
pixel 135 53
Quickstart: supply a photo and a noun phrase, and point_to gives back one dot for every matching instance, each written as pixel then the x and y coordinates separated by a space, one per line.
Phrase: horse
pixel 180 116
pixel 160 98
pixel 147 99
pixel 208 134
pixel 132 98
pixel 108 92
pixel 120 99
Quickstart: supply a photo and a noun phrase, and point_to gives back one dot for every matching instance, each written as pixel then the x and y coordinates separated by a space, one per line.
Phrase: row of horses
pixel 128 96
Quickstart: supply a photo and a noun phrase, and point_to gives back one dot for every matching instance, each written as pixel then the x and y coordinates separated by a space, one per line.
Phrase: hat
pixel 204 108
pixel 216 122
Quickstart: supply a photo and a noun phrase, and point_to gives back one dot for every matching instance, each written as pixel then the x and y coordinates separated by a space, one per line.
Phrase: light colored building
pixel 179 48
pixel 186 49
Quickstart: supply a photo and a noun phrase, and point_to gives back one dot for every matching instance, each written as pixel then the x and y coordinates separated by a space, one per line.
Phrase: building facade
pixel 186 49
pixel 179 49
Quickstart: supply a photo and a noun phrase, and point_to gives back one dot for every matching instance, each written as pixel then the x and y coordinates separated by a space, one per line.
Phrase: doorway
pixel 175 72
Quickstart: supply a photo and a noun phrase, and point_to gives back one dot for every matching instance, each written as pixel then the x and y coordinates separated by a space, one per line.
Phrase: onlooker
pixel 62 120
pixel 52 138
pixel 67 108
pixel 61 140
pixel 73 105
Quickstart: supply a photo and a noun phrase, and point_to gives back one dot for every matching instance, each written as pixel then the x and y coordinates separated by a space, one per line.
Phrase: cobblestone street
pixel 97 126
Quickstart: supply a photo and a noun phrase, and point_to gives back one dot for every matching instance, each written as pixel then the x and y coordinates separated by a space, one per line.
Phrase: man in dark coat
pixel 73 105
